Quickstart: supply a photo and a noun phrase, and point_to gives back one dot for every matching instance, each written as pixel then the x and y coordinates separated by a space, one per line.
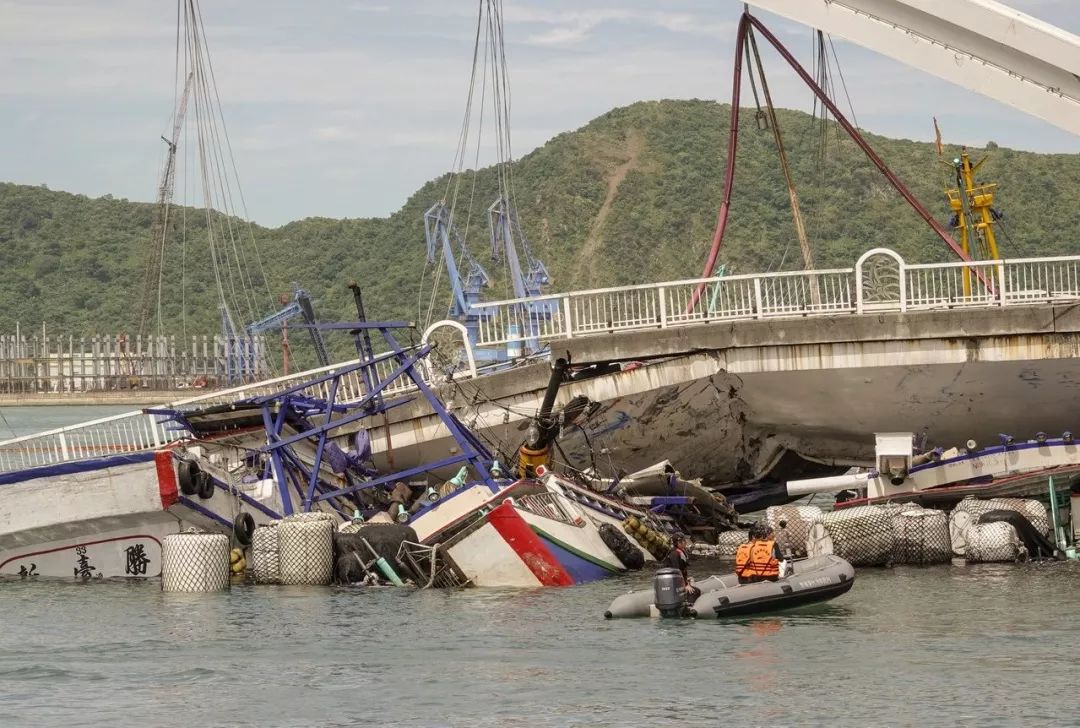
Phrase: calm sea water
pixel 983 645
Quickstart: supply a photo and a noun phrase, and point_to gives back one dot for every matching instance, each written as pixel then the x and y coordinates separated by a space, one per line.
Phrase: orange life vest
pixel 755 558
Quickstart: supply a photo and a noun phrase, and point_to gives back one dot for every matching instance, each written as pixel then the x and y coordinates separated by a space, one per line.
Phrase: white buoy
pixel 306 549
pixel 862 535
pixel 728 542
pixel 265 558
pixel 922 536
pixel 993 542
pixel 195 562
pixel 1031 509
pixel 798 520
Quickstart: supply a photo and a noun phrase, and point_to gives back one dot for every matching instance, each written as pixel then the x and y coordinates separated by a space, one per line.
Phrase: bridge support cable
pixel 796 211
pixel 746 23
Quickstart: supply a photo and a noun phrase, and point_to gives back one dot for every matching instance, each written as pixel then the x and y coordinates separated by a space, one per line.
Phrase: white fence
pixel 879 281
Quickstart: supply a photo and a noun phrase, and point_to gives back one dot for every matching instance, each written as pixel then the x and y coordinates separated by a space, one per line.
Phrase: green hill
pixel 629 198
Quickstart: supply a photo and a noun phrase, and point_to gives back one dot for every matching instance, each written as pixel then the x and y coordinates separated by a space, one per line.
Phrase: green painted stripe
pixel 576 552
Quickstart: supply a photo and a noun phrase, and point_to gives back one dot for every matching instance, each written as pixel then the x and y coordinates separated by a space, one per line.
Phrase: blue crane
pixel 467 276
pixel 503 223
pixel 528 282
pixel 300 306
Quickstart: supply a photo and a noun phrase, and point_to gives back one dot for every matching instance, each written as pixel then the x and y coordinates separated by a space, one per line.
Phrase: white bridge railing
pixel 879 282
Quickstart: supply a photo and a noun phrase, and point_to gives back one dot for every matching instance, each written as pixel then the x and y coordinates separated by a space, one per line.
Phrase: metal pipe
pixel 558 371
pixel 830 484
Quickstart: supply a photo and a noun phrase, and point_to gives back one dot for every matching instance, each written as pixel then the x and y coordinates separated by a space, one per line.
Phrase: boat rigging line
pixel 211 171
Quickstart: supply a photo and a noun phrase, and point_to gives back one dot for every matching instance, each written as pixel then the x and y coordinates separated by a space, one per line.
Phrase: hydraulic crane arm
pixel 300 306
pixel 982 45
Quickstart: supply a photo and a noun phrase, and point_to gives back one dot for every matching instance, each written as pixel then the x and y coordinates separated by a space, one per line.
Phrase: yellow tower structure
pixel 973 213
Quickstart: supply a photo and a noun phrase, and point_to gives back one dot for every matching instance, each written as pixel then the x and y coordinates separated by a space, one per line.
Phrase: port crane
pixel 527 275
pixel 467 278
pixel 299 306
pixel 160 227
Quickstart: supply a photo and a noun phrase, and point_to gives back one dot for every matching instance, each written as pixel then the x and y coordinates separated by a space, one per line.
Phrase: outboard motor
pixel 669 593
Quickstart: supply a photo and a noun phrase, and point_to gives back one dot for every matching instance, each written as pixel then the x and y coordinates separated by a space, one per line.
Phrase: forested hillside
pixel 629 198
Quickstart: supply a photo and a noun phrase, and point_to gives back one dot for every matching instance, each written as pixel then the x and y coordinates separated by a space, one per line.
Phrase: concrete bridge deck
pixel 764 368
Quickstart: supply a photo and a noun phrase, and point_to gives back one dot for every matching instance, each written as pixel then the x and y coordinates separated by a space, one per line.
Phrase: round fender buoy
pixel 244 529
pixel 186 475
pixel 204 485
pixel 620 545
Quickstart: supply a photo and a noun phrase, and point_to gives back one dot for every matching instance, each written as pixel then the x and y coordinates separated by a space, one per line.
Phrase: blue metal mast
pixel 527 282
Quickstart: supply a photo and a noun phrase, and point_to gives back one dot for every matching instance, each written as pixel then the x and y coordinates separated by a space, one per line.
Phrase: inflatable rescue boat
pixel 813 580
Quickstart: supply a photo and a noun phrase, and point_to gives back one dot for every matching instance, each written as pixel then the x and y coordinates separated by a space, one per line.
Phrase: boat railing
pixel 880 281
pixel 549 505
pixel 138 430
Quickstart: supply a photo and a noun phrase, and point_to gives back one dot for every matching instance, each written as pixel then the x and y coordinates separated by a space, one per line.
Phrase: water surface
pixel 986 645
pixel 976 645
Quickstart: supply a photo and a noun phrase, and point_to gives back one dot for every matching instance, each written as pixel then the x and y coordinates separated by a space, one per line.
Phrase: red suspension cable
pixel 745 23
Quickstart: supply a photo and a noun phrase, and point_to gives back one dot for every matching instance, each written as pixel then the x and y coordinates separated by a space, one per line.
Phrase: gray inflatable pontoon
pixel 815 580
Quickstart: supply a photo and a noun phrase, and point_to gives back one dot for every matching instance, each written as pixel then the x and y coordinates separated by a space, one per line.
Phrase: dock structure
pixel 45 364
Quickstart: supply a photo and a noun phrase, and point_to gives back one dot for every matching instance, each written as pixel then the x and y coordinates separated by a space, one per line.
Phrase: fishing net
pixel 862 535
pixel 728 542
pixel 989 542
pixel 922 536
pixel 306 549
pixel 799 519
pixel 195 562
pixel 265 561
pixel 630 555
pixel 308 516
pixel 351 553
pixel 1032 510
pixel 350 527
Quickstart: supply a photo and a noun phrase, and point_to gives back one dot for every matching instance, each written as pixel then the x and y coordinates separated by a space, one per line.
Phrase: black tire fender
pixel 244 528
pixel 620 545
pixel 187 474
pixel 204 485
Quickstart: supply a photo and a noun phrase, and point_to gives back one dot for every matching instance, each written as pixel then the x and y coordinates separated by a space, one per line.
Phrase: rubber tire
pixel 186 475
pixel 244 529
pixel 629 554
pixel 205 486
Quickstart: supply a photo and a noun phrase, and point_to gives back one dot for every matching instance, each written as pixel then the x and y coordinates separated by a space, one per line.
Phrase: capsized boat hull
pixel 107 517
pixel 816 579
pixel 514 546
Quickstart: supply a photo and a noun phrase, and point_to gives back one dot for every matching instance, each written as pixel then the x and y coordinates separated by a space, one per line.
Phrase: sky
pixel 343 108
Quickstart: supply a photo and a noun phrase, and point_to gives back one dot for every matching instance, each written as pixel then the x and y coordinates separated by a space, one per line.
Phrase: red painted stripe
pixel 526 544
pixel 166 478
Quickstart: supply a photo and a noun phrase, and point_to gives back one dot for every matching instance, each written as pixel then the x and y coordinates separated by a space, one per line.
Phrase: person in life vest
pixel 676 559
pixel 759 558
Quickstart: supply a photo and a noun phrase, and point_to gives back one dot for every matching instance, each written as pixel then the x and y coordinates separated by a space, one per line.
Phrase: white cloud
pixel 346 109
